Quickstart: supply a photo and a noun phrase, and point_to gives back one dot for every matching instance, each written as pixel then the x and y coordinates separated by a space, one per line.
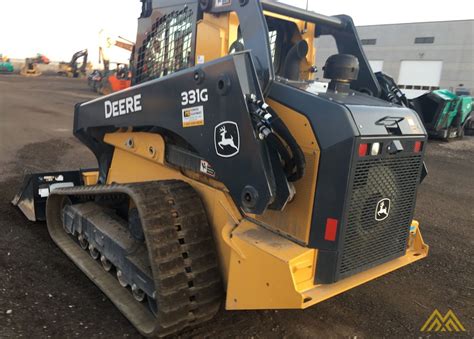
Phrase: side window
pixel 275 45
pixel 277 37
pixel 272 35
pixel 325 47
pixel 168 47
pixel 283 36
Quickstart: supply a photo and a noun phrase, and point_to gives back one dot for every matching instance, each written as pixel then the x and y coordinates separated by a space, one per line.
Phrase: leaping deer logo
pixel 226 141
pixel 382 210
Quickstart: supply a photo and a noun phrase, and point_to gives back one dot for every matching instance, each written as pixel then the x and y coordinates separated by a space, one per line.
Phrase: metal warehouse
pixel 420 57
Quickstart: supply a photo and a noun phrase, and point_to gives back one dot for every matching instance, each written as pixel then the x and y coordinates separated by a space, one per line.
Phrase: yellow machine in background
pixel 30 68
pixel 71 69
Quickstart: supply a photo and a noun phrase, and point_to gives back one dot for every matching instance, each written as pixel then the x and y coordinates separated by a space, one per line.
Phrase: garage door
pixel 418 76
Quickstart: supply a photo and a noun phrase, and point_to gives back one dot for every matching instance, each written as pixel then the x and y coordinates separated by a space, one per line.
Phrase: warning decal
pixel 193 116
pixel 222 3
pixel 207 169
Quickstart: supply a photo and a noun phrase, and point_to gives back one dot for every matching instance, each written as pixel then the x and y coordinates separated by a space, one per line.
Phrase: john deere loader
pixel 226 175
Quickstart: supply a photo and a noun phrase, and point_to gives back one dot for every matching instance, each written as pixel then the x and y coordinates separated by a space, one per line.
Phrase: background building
pixel 419 56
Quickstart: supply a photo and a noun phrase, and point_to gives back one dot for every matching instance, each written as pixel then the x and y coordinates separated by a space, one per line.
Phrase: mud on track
pixel 49 297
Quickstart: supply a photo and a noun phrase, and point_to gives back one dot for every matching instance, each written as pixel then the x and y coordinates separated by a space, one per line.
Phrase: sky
pixel 58 28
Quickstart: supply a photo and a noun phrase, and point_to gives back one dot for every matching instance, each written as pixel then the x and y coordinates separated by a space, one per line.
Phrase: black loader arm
pixel 203 109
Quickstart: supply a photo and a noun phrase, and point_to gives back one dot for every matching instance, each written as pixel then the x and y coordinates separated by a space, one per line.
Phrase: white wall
pixel 376 65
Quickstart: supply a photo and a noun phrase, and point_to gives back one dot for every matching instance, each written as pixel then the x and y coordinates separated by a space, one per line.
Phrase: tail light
pixel 370 149
pixel 331 229
pixel 418 147
pixel 363 148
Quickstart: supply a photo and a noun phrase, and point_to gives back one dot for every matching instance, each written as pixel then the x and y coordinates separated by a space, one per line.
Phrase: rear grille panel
pixel 368 242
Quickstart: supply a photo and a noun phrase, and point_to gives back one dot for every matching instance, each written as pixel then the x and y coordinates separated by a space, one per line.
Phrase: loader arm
pixel 216 91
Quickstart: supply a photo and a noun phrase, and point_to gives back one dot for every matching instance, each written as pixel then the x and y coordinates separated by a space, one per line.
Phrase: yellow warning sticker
pixel 193 116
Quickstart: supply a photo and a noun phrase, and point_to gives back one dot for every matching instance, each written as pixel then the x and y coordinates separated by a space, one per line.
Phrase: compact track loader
pixel 224 173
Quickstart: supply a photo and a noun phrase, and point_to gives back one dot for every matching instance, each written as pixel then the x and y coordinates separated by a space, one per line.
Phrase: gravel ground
pixel 42 294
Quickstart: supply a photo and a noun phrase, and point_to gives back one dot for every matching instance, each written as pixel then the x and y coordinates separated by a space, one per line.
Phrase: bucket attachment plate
pixel 35 189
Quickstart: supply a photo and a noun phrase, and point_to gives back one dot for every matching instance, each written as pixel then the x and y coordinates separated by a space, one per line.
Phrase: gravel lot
pixel 42 293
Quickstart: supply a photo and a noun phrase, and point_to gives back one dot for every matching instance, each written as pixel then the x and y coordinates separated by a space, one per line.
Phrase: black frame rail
pixel 298 13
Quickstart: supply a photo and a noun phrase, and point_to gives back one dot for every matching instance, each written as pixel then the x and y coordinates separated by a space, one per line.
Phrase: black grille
pixel 368 242
pixel 168 47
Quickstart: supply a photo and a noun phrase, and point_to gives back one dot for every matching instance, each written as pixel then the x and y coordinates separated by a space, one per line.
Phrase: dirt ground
pixel 43 294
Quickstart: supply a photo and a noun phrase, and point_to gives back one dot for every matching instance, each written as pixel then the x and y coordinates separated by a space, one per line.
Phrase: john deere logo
pixel 437 323
pixel 227 139
pixel 382 209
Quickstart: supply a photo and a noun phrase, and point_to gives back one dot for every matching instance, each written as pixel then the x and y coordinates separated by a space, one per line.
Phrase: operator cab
pixel 292 44
pixel 287 46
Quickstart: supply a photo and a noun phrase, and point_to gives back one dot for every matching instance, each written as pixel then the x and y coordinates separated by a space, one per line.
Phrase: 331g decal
pixel 194 96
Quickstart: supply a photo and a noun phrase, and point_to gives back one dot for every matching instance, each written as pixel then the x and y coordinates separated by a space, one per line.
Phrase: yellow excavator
pixel 30 68
pixel 72 69
pixel 227 174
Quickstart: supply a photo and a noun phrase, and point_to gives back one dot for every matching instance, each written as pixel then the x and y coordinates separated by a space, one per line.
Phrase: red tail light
pixel 331 229
pixel 418 146
pixel 363 150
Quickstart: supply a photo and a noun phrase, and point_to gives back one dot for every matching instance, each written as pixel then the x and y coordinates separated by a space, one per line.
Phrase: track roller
pixel 138 294
pixel 121 279
pixel 106 264
pixel 83 242
pixel 95 254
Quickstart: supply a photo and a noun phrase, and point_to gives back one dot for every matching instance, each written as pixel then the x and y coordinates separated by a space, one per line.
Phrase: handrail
pixel 298 13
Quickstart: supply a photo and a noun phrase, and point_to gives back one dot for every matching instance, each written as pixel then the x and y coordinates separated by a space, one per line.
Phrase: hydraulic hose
pixel 272 129
pixel 278 145
pixel 298 157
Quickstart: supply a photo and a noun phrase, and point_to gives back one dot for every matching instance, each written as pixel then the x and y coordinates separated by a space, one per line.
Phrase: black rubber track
pixel 180 247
